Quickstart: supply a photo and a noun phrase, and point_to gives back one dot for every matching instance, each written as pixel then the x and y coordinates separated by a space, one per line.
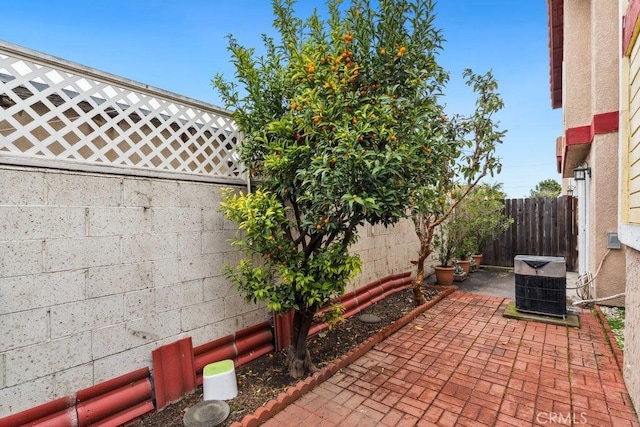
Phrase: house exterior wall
pixel 576 104
pixel 96 271
pixel 629 225
pixel 632 327
pixel 609 264
pixel 590 90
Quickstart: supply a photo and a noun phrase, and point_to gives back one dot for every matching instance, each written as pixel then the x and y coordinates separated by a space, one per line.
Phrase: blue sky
pixel 180 45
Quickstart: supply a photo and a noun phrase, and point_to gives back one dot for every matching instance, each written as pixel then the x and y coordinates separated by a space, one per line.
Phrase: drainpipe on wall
pixel 583 221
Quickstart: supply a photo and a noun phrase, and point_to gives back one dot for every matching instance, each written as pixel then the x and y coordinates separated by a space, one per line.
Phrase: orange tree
pixel 340 116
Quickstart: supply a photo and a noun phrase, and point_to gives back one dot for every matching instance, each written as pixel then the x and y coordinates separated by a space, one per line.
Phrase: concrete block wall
pixel 96 271
pixel 385 251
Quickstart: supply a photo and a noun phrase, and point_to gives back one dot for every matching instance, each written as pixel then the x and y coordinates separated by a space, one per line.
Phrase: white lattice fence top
pixel 63 113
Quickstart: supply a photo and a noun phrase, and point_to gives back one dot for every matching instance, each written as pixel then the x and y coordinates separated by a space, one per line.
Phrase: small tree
pixel 547 188
pixel 480 216
pixel 331 116
pixel 457 154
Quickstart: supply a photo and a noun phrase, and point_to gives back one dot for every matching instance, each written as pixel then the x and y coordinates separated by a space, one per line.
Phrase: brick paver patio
pixel 461 363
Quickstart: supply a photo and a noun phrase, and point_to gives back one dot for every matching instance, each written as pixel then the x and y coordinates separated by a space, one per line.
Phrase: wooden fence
pixel 541 226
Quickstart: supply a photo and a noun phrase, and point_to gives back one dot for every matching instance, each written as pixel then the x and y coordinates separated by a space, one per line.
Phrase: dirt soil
pixel 266 377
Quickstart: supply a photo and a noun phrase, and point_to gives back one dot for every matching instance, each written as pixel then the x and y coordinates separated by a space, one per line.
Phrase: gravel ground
pixel 615 317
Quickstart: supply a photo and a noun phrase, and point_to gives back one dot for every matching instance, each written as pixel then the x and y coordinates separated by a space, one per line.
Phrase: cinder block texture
pixel 37 361
pixel 23 329
pixel 27 187
pixel 120 278
pixel 23 293
pixel 18 223
pixel 119 221
pixel 74 254
pixel 29 252
pixel 87 190
pixel 97 271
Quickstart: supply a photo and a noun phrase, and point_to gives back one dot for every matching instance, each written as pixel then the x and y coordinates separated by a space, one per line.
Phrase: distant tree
pixel 547 188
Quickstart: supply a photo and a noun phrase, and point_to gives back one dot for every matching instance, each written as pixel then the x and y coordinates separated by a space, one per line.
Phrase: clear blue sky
pixel 180 45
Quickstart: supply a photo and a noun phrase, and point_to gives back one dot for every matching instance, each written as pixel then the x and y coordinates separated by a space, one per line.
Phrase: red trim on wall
pixel 578 135
pixel 177 368
pixel 555 15
pixel 59 413
pixel 282 329
pixel 605 123
pixel 356 301
pixel 601 123
pixel 173 371
pixel 242 347
pixel 629 21
pixel 253 342
pixel 115 401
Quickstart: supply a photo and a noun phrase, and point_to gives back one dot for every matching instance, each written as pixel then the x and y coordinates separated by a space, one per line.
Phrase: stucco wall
pixel 603 216
pixel 577 63
pixel 96 271
pixel 604 24
pixel 632 327
pixel 590 88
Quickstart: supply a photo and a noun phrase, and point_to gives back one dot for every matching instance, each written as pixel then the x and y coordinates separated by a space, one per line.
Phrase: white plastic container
pixel 219 381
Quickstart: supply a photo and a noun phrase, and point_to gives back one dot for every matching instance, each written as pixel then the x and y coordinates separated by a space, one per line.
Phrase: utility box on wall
pixel 541 284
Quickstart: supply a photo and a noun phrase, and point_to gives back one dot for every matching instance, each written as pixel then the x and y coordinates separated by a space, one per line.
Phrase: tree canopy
pixel 343 126
pixel 547 188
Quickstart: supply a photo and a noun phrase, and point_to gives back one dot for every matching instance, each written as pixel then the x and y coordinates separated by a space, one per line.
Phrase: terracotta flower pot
pixel 477 259
pixel 465 264
pixel 444 275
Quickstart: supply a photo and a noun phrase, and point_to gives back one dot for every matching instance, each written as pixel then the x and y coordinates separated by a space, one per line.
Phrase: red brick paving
pixel 461 363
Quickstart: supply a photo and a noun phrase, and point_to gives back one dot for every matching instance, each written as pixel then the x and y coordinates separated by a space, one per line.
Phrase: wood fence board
pixel 541 226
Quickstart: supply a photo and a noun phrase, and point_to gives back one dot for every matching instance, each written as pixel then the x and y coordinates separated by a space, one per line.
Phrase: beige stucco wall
pixel 632 327
pixel 604 56
pixel 590 65
pixel 590 88
pixel 603 210
pixel 96 271
pixel 629 234
pixel 576 63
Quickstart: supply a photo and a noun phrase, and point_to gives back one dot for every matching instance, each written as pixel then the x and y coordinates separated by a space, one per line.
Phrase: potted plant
pixel 463 258
pixel 458 235
pixel 445 269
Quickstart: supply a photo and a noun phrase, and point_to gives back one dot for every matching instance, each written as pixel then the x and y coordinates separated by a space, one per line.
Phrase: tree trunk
pixel 418 295
pixel 426 239
pixel 298 357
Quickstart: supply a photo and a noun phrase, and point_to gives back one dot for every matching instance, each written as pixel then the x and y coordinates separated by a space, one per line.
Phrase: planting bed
pixel 265 378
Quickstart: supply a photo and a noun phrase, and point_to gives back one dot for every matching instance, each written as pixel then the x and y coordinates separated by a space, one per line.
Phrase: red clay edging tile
pixel 59 412
pixel 298 390
pixel 615 348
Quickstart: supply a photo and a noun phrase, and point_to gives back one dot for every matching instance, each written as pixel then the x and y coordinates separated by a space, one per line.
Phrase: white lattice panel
pixel 55 112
